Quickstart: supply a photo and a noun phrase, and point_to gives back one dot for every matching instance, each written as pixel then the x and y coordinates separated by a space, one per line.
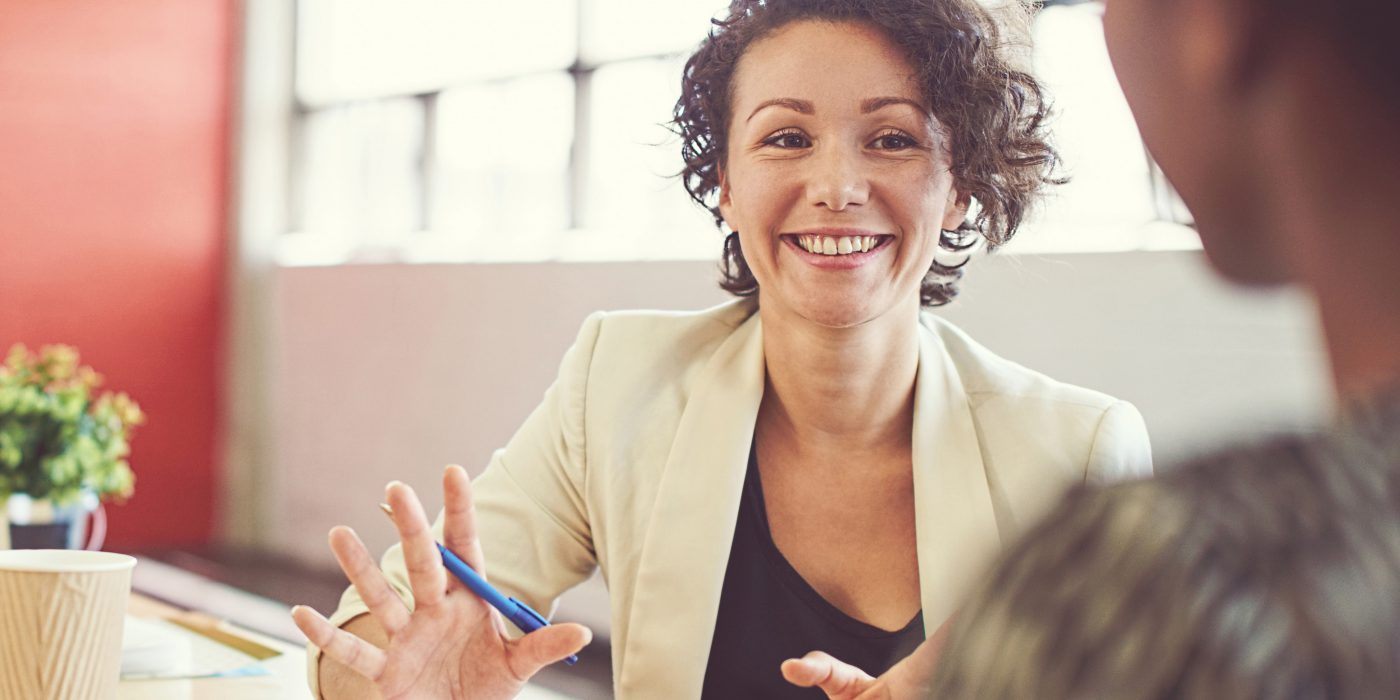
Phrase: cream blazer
pixel 634 464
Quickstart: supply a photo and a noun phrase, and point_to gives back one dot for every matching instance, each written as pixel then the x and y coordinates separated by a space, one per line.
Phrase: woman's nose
pixel 837 180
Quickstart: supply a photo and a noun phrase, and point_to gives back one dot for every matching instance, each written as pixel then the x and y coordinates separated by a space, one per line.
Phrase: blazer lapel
pixel 681 571
pixel 954 521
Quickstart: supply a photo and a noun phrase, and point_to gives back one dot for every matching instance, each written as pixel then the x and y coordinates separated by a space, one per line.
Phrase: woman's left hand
pixel 911 678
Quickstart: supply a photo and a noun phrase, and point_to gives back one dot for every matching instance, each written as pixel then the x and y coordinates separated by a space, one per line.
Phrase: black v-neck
pixel 768 613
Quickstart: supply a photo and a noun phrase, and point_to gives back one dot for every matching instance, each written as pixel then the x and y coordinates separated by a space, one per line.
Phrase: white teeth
pixel 831 245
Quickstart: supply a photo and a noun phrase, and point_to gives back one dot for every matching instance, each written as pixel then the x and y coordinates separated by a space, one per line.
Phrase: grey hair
pixel 1271 573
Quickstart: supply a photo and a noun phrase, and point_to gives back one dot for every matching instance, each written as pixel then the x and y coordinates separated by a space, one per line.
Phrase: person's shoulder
pixel 636 353
pixel 990 378
pixel 636 332
pixel 715 320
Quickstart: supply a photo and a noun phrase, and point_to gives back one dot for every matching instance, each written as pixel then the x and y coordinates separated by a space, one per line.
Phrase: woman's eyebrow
pixel 792 103
pixel 876 103
pixel 867 105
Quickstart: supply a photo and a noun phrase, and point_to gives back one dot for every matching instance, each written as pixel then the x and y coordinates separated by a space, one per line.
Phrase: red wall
pixel 114 120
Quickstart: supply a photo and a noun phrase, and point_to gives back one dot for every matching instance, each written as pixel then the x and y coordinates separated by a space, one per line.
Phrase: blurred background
pixel 330 243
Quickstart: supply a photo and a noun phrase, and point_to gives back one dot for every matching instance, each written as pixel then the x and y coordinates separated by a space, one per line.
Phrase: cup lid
pixel 63 561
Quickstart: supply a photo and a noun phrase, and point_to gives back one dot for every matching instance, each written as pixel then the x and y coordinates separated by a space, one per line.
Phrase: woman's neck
pixel 840 389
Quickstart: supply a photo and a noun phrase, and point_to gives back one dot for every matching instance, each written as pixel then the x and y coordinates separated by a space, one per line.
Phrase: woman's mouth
pixel 834 245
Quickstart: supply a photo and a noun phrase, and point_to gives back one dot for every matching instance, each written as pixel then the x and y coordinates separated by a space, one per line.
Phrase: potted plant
pixel 63 447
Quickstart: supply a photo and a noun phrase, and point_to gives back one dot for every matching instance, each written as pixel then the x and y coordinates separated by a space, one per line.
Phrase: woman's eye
pixel 787 139
pixel 894 142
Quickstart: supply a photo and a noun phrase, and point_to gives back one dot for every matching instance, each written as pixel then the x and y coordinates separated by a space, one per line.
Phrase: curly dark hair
pixel 963 56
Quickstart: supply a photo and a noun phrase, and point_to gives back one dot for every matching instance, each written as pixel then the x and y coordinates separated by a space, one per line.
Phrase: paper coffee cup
pixel 61 614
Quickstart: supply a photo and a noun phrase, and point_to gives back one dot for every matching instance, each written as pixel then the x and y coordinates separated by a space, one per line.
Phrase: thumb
pixel 835 678
pixel 545 646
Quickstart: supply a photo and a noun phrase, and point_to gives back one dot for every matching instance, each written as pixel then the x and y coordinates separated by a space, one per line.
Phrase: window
pixel 1116 198
pixel 518 131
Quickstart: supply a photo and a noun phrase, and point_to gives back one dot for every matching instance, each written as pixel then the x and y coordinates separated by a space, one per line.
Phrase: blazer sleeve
pixel 1121 449
pixel 530 508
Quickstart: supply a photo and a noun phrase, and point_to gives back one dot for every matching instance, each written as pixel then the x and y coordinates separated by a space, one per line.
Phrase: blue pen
pixel 519 614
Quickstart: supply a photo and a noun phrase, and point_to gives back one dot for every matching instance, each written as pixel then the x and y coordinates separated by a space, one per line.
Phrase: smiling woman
pixel 819 465
pixel 954 67
pixel 857 157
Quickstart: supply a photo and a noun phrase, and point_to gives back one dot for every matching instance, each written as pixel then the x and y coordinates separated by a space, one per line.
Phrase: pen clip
pixel 528 616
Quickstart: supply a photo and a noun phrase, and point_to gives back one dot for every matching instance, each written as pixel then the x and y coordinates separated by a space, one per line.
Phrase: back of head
pixel 1272 573
pixel 1362 34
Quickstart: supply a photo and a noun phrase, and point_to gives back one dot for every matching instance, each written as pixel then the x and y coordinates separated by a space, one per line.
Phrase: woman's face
pixel 836 174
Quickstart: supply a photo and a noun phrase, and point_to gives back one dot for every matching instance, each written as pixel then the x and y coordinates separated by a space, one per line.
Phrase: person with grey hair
pixel 1272 570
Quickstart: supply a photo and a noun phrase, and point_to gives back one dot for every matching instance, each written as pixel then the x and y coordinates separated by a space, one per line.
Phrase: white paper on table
pixel 153 648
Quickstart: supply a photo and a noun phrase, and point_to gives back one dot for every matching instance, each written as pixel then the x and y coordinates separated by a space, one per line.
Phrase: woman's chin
pixel 838 314
pixel 830 308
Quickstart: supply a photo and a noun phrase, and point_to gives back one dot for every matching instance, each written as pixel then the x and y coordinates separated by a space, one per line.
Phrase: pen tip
pixel 387 510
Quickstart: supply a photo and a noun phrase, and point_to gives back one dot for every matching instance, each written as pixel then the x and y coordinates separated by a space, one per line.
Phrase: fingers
pixel 835 678
pixel 545 646
pixel 420 554
pixel 459 518
pixel 369 581
pixel 913 675
pixel 365 658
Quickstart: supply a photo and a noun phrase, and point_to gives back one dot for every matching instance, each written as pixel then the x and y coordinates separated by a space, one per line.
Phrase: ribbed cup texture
pixel 61 634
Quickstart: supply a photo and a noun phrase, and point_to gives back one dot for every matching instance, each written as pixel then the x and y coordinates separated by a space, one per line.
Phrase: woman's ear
pixel 725 202
pixel 956 212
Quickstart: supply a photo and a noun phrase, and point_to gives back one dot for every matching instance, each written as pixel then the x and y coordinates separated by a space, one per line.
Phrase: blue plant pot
pixel 40 524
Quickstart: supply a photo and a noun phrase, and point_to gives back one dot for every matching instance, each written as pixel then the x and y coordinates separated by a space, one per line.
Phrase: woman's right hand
pixel 910 679
pixel 452 644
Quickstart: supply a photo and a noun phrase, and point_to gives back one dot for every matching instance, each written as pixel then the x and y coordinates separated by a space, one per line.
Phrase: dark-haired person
pixel 819 465
pixel 1270 571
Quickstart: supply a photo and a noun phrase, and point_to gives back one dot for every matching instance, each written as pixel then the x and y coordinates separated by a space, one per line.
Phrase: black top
pixel 768 613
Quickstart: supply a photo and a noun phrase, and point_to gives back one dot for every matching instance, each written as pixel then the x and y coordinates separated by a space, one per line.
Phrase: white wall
pixel 390 372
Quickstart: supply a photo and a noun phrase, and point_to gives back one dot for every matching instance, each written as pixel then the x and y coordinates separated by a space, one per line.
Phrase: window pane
pixel 1109 199
pixel 348 49
pixel 632 156
pixel 615 29
pixel 502 156
pixel 361 168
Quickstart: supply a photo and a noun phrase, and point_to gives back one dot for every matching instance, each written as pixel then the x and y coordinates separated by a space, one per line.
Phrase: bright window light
pixel 361 173
pixel 630 186
pixel 502 157
pixel 526 131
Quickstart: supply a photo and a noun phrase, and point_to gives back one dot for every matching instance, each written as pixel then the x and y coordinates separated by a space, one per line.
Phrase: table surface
pixel 287 680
